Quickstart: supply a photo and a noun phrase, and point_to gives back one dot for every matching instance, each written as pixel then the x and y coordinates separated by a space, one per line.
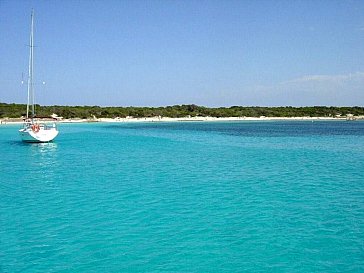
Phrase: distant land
pixel 12 110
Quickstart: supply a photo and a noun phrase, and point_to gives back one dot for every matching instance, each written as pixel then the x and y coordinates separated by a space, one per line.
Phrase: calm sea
pixel 184 197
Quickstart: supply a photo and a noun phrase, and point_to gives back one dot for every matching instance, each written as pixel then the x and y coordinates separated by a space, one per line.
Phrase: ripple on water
pixel 185 197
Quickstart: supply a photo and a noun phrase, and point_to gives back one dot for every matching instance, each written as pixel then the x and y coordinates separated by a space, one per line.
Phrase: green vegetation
pixel 17 110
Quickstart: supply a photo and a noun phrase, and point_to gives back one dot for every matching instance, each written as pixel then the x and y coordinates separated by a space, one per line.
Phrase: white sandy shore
pixel 166 119
pixel 185 119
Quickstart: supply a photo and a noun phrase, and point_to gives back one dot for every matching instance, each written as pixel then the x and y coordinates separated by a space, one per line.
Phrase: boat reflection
pixel 45 153
pixel 49 147
pixel 46 160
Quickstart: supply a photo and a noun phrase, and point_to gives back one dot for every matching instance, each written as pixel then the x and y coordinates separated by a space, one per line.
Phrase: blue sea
pixel 267 196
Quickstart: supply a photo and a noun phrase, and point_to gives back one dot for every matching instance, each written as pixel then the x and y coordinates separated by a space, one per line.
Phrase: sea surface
pixel 184 197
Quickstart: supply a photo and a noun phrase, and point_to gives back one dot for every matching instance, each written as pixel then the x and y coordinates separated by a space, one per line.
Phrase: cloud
pixel 308 90
pixel 326 78
pixel 339 90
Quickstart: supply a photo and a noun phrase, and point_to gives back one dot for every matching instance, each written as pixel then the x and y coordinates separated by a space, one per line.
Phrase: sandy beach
pixel 185 119
pixel 212 119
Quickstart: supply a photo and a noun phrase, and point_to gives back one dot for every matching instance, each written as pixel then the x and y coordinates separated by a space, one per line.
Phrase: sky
pixel 167 52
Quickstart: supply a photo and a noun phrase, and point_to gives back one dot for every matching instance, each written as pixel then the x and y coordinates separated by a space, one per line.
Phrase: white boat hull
pixel 28 135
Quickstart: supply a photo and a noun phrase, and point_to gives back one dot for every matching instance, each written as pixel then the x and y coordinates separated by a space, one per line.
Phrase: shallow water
pixel 184 197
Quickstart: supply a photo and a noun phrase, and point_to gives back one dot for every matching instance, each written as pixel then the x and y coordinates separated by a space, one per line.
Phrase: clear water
pixel 184 197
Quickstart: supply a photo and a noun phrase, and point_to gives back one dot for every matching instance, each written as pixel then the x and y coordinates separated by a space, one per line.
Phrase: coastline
pixel 187 119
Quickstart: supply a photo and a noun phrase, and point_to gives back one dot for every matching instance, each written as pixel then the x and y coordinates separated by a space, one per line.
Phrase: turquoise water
pixel 184 197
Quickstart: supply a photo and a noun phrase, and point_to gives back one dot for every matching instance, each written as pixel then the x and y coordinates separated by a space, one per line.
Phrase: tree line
pixel 13 110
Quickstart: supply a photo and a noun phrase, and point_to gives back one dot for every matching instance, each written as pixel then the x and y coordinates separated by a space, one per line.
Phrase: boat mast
pixel 31 68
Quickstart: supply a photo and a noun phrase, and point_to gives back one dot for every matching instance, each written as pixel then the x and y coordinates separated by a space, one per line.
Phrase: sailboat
pixel 35 129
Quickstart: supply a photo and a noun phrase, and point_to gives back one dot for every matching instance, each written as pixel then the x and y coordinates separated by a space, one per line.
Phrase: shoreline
pixel 188 119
